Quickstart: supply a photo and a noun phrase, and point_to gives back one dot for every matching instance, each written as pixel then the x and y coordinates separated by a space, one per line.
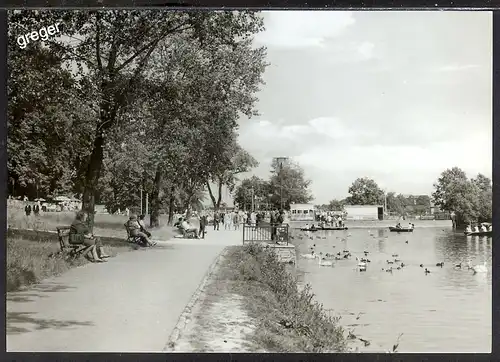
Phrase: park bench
pixel 72 250
pixel 130 238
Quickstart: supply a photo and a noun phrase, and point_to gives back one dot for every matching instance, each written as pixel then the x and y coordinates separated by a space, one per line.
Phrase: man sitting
pixel 483 228
pixel 135 230
pixel 468 229
pixel 187 228
pixel 143 226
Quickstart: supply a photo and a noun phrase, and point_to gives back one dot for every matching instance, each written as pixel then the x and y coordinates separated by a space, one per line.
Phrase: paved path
pixel 130 304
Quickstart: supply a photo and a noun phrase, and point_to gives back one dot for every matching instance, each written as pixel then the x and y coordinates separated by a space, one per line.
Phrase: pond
pixel 447 310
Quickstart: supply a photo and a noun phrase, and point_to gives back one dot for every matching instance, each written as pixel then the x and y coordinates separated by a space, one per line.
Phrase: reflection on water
pixel 448 310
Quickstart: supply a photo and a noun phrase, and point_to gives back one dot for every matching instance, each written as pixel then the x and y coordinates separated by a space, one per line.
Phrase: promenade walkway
pixel 130 304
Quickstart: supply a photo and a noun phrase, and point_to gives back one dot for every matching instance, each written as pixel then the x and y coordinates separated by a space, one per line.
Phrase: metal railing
pixel 264 232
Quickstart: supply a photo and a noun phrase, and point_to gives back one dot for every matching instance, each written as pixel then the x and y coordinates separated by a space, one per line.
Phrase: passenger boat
pixel 400 230
pixel 479 233
pixel 324 228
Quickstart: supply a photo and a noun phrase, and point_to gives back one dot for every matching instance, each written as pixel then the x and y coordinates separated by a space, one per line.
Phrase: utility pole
pixel 141 201
pixel 280 161
pixel 252 200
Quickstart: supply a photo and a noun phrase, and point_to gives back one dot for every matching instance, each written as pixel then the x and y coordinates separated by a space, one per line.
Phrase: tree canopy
pixel 132 99
pixel 365 191
pixel 469 199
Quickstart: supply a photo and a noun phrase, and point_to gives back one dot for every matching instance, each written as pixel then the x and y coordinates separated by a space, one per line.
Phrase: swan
pixel 361 264
pixel 323 262
pixel 480 268
pixel 309 256
pixel 441 264
pixel 427 271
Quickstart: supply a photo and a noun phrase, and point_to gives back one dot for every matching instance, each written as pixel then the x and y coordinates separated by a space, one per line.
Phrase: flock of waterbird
pixel 395 263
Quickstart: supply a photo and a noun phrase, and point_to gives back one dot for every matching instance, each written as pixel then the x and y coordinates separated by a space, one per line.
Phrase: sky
pixel 395 96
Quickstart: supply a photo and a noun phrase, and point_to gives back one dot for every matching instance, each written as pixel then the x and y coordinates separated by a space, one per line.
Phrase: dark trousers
pixel 216 224
pixel 202 231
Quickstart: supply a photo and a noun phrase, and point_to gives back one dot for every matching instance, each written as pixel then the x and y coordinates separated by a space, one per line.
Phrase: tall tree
pixel 253 187
pixel 365 191
pixel 454 192
pixel 288 182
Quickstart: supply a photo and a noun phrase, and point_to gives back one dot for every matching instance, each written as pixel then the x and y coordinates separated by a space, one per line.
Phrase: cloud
pixel 457 67
pixel 366 49
pixel 303 29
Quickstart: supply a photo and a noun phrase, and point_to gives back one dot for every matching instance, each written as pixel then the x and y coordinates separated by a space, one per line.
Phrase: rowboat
pixel 400 230
pixel 479 233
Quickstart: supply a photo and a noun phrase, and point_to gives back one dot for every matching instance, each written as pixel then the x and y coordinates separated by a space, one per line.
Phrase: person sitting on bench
pixel 135 230
pixel 143 226
pixel 79 233
pixel 188 228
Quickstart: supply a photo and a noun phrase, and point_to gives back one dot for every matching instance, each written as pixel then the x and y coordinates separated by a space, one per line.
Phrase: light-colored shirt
pixel 185 225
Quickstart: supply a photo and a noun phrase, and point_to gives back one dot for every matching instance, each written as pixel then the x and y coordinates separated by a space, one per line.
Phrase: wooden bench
pixel 72 250
pixel 130 238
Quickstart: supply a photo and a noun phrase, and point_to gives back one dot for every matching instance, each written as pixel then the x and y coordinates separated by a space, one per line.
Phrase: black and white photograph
pixel 249 181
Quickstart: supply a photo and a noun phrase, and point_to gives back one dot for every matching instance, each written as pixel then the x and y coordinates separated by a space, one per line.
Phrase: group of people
pixel 410 226
pixel 36 208
pixel 478 228
pixel 330 218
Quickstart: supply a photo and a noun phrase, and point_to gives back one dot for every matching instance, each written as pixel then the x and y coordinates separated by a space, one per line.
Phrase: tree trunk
pixel 171 205
pixel 92 175
pixel 155 199
pixel 212 197
pixel 219 199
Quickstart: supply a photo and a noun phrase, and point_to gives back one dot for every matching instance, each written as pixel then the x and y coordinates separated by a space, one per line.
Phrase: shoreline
pixel 250 303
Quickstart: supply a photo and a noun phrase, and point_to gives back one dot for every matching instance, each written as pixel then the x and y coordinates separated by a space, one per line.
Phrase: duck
pixel 480 268
pixel 421 265
pixel 395 255
pixel 365 252
pixel 324 262
pixel 389 262
pixel 441 264
pixel 396 260
pixel 458 266
pixel 427 271
pixel 406 241
pixel 403 265
pixel 389 270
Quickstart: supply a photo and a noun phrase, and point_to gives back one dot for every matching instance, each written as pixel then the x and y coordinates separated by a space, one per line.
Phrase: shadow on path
pixel 24 322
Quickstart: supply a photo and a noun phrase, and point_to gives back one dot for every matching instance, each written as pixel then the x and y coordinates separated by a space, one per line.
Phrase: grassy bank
pixel 31 261
pixel 30 254
pixel 275 315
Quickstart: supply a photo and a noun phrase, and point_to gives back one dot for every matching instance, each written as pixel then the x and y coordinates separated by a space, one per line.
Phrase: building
pixel 364 212
pixel 302 212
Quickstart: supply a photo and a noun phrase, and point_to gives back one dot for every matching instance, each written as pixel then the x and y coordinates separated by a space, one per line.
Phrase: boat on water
pixel 400 230
pixel 479 233
pixel 324 228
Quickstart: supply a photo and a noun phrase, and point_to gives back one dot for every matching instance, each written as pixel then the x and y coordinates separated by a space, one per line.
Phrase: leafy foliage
pixel 288 180
pixel 470 199
pixel 365 191
pixel 131 99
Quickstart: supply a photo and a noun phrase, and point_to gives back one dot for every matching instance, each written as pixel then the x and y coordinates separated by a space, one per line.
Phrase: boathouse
pixel 364 212
pixel 302 212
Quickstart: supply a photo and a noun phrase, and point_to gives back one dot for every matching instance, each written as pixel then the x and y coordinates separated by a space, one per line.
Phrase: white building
pixel 364 212
pixel 302 212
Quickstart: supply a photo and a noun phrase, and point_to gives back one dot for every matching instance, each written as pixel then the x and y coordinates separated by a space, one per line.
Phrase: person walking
pixel 27 210
pixel 36 209
pixel 216 220
pixel 203 224
pixel 236 220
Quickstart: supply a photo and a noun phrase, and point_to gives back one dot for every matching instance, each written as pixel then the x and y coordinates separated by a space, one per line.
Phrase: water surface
pixel 448 310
